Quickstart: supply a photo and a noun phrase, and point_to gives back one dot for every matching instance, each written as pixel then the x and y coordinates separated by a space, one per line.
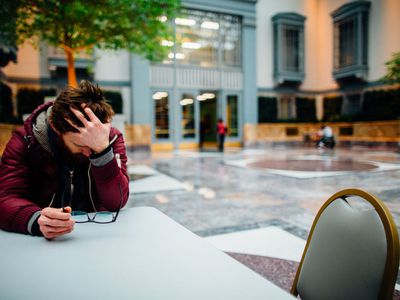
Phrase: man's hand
pixel 94 134
pixel 53 222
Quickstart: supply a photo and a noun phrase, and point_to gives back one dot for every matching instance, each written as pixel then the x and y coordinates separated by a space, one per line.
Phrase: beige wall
pixel 6 131
pixel 28 66
pixel 265 10
pixel 312 47
pixel 384 35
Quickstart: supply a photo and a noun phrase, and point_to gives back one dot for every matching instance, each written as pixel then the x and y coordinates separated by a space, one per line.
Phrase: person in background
pixel 327 138
pixel 222 130
pixel 65 158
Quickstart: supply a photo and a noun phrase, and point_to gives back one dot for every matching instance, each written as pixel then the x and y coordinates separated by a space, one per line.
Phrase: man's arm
pixel 15 207
pixel 110 175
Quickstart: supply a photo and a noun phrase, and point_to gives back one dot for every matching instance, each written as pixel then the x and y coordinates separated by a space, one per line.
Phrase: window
pixel 197 38
pixel 206 39
pixel 232 115
pixel 231 40
pixel 286 108
pixel 161 115
pixel 288 29
pixel 350 23
pixel 187 104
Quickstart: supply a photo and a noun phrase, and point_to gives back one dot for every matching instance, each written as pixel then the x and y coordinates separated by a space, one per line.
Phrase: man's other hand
pixel 54 222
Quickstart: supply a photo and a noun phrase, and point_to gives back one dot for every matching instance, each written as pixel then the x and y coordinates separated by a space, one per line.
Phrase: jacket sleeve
pixel 15 207
pixel 111 181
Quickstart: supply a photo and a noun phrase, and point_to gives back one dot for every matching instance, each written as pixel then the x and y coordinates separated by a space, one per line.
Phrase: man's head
pixel 85 95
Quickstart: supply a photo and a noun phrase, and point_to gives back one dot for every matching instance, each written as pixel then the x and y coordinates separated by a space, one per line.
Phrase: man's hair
pixel 87 93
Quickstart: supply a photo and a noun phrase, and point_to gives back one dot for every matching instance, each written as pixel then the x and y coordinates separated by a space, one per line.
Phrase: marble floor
pixel 252 203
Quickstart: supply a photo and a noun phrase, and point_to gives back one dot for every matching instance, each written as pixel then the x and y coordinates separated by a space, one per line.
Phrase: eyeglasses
pixel 102 217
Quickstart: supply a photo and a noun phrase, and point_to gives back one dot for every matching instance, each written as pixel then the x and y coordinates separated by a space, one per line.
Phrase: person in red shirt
pixel 222 130
pixel 65 158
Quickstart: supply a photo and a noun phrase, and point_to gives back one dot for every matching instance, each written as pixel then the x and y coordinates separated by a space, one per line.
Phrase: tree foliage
pixel 393 68
pixel 8 15
pixel 79 25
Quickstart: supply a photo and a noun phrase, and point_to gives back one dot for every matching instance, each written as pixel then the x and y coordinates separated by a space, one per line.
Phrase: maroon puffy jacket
pixel 29 177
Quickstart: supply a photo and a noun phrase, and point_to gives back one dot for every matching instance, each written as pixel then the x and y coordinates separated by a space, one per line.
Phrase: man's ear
pixel 52 127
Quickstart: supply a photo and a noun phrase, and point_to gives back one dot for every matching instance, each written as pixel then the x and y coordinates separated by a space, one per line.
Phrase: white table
pixel 143 255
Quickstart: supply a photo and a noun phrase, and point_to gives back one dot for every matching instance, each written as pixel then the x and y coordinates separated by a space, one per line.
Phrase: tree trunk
pixel 71 67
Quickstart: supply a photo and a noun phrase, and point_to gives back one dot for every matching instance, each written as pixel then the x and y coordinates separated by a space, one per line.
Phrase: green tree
pixel 393 68
pixel 80 25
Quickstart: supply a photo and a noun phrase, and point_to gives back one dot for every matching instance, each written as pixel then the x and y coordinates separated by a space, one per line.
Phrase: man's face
pixel 74 147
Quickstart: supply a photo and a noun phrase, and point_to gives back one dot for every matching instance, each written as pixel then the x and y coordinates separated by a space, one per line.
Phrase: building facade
pixel 323 49
pixel 245 61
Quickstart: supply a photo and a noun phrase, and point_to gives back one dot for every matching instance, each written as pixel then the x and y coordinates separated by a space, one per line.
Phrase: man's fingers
pixel 91 115
pixel 44 221
pixel 72 124
pixel 79 115
pixel 67 209
pixel 55 213
pixel 52 235
pixel 51 229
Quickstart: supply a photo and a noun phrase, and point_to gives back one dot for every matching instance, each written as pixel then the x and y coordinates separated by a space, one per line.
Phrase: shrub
pixel 29 99
pixel 332 108
pixel 381 105
pixel 267 109
pixel 115 100
pixel 305 110
pixel 6 105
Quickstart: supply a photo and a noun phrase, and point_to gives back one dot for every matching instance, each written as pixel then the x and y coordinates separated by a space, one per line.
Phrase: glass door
pixel 232 115
pixel 208 117
pixel 187 104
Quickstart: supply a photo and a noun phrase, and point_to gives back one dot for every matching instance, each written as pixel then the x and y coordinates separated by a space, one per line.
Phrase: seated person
pixel 65 157
pixel 327 138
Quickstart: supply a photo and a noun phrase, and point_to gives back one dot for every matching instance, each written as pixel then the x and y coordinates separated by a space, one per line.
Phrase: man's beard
pixel 71 159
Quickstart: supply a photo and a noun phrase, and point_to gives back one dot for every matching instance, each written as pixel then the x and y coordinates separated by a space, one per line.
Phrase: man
pixel 66 157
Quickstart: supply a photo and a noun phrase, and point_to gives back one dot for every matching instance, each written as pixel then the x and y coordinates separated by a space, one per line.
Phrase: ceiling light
pixel 209 95
pixel 163 19
pixel 191 45
pixel 210 25
pixel 186 101
pixel 185 22
pixel 167 43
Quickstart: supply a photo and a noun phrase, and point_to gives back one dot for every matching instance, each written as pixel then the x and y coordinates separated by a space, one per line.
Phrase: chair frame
pixel 392 256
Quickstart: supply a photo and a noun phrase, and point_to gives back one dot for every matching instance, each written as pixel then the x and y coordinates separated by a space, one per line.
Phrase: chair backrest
pixel 350 253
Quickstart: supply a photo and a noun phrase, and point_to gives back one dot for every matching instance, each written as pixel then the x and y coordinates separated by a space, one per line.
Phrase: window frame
pixel 357 12
pixel 281 23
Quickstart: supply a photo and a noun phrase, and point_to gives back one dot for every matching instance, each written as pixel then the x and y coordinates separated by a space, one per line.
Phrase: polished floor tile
pixel 269 241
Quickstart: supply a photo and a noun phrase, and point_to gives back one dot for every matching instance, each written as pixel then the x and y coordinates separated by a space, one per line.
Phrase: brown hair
pixel 87 93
